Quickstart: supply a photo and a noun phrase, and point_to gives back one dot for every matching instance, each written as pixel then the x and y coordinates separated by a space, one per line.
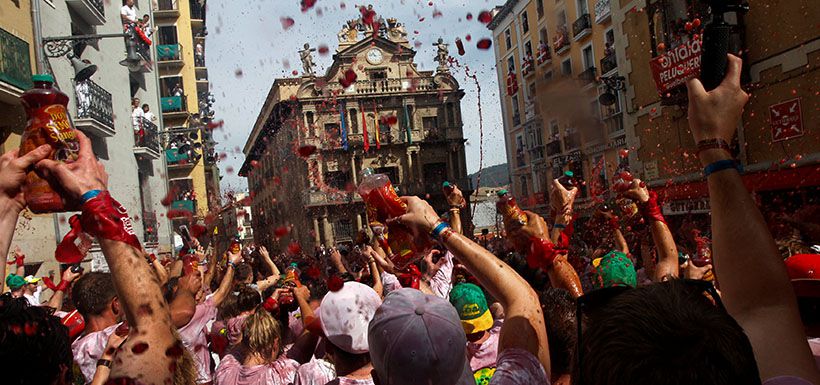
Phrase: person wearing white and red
pixel 128 12
pixel 96 299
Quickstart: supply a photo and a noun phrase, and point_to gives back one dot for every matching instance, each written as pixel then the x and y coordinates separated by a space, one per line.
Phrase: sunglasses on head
pixel 593 302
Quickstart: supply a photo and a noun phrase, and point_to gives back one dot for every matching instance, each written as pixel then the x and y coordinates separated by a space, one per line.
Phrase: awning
pixel 769 180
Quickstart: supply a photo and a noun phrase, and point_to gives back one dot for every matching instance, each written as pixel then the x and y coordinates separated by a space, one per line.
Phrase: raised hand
pixel 562 199
pixel 420 217
pixel 13 170
pixel 638 191
pixel 454 196
pixel 83 175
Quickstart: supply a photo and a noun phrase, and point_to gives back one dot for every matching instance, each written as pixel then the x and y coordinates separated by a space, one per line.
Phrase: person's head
pixel 135 102
pixel 559 318
pixel 34 342
pixel 31 284
pixel 94 296
pixel 472 309
pixel 15 284
pixel 344 316
pixel 664 333
pixel 129 3
pixel 247 299
pixel 262 335
pixel 416 338
pixel 244 274
pixel 146 18
pixel 145 107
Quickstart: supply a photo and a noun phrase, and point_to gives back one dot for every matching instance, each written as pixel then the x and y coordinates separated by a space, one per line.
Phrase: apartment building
pixel 372 108
pixel 186 108
pixel 554 60
pixel 100 107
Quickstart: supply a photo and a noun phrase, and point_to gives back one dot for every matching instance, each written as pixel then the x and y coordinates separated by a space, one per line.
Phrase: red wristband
pixel 104 217
pixel 63 286
pixel 543 252
pixel 49 284
pixel 20 261
pixel 651 210
pixel 271 305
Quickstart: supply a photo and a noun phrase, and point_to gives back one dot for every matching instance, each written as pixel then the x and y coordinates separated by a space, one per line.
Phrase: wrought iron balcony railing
pixel 146 134
pixel 92 11
pixel 197 10
pixel 15 62
pixel 167 5
pixel 581 27
pixel 609 63
pixel 589 75
pixel 94 102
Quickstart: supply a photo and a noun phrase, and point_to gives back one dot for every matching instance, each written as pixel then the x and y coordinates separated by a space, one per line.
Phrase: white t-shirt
pixel 136 114
pixel 34 299
pixel 130 13
pixel 150 116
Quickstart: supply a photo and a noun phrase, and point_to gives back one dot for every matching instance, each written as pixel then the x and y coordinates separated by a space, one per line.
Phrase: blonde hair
pixel 261 334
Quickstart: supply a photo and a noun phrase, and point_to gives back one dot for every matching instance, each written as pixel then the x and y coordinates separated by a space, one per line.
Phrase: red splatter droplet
pixel 661 47
pixel 30 328
pixel 294 248
pixel 254 163
pixel 485 17
pixel 437 14
pixel 468 37
pixel 623 153
pixel 460 46
pixel 421 19
pixel 484 44
pixel 334 283
pixel 238 73
pixel 139 348
pixel 307 150
pixel 323 50
pixel 348 78
pixel 294 72
pixel 281 231
pixel 287 22
pixel 216 124
pixel 688 26
pixel 307 4
pixel 229 170
pixel 696 23
pixel 469 16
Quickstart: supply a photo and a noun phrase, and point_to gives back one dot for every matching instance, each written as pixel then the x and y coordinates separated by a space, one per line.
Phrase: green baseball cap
pixel 471 305
pixel 15 281
pixel 614 269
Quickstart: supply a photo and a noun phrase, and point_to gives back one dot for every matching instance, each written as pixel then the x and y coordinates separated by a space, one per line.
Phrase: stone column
pixel 316 231
pixel 328 232
pixel 358 222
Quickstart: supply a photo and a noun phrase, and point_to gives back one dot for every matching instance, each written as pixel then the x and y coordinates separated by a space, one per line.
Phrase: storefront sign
pixel 650 170
pixel 786 120
pixel 675 67
pixel 692 206
pixel 562 160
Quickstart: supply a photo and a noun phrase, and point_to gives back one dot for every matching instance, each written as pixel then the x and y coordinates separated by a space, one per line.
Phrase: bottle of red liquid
pixel 508 208
pixel 383 203
pixel 48 123
pixel 567 180
pixel 287 302
pixel 236 247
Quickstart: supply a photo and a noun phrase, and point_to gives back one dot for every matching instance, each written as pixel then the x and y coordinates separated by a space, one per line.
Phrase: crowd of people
pixel 462 314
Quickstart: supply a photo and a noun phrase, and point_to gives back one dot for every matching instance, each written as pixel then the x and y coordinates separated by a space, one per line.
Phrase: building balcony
pixel 174 106
pixel 588 76
pixel 169 56
pixel 184 206
pixel 197 14
pixel 321 198
pixel 527 68
pixel 202 84
pixel 609 63
pixel 560 43
pixel 15 66
pixel 146 138
pixel 92 11
pixel 386 86
pixel 544 55
pixel 95 110
pixel 537 153
pixel 166 9
pixel 516 120
pixel 150 234
pixel 176 160
pixel 603 11
pixel 554 148
pixel 582 27
pixel 142 45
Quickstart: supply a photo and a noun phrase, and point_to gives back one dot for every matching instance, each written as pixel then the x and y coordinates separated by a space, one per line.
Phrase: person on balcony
pixel 177 90
pixel 137 114
pixel 147 114
pixel 128 13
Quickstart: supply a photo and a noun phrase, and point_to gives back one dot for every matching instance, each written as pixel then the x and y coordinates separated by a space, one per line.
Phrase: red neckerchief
pixel 651 210
pixel 410 277
pixel 543 252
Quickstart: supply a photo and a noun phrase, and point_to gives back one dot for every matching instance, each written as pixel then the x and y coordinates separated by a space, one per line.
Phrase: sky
pixel 248 47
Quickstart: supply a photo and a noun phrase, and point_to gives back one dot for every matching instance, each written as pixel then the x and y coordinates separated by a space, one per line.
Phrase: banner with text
pixel 676 66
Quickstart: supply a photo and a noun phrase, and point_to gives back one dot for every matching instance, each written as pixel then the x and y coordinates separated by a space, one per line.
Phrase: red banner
pixel 786 120
pixel 676 66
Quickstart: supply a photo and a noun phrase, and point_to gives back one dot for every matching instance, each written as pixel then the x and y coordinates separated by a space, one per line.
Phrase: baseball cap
pixel 15 281
pixel 471 305
pixel 31 279
pixel 345 314
pixel 613 269
pixel 417 338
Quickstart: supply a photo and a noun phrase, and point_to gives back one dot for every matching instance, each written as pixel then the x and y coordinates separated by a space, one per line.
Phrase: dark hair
pixel 666 333
pixel 559 318
pixel 146 104
pixel 243 271
pixel 247 299
pixel 34 342
pixel 92 293
pixel 168 289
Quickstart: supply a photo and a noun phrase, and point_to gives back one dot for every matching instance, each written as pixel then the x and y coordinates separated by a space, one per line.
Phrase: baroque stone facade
pixel 373 108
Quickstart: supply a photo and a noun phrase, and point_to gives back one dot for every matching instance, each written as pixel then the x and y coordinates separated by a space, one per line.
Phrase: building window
pixel 343 229
pixel 561 18
pixel 508 38
pixel 554 130
pixel 544 36
pixel 566 67
pixel 430 124
pixel 539 8
pixel 528 50
pixel 377 75
pixel 519 151
pixel 167 35
pixel 525 189
pixel 547 75
pixel 583 8
pixel 331 131
pixel 354 120
pixel 337 179
pixel 384 132
pixel 588 58
pixel 510 64
pixel 525 22
pixel 516 111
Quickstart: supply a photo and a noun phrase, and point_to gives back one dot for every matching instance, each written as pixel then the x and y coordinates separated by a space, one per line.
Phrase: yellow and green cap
pixel 471 305
pixel 614 269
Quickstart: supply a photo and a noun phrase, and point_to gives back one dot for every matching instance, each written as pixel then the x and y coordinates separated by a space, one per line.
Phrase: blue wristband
pixel 720 166
pixel 440 227
pixel 559 226
pixel 89 195
pixel 229 263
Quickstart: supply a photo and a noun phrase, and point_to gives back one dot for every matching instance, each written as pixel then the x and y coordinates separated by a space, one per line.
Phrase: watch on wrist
pixel 715 143
pixel 104 362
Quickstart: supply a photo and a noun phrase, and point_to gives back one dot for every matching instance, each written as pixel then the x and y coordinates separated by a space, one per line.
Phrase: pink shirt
pixel 89 348
pixel 484 355
pixel 280 372
pixel 390 283
pixel 519 367
pixel 348 381
pixel 315 372
pixel 193 336
pixel 441 282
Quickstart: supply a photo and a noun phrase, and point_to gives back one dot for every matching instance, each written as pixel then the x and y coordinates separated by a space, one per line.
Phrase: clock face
pixel 374 56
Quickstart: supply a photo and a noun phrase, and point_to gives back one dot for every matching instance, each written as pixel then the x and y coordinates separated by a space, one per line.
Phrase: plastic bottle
pixel 447 187
pixel 48 123
pixel 236 247
pixel 292 275
pixel 508 208
pixel 383 203
pixel 567 180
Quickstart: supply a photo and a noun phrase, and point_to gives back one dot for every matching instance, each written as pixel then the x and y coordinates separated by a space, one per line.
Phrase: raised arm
pixel 66 279
pixel 159 270
pixel 667 266
pixel 12 177
pixel 524 325
pixel 456 201
pixel 753 280
pixel 274 271
pixel 227 281
pixel 144 355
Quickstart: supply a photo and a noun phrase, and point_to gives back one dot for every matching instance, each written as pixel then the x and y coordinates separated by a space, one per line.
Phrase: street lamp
pixel 613 83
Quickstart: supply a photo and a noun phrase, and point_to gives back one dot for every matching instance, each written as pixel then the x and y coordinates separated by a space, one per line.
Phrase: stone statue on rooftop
pixel 442 54
pixel 307 60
